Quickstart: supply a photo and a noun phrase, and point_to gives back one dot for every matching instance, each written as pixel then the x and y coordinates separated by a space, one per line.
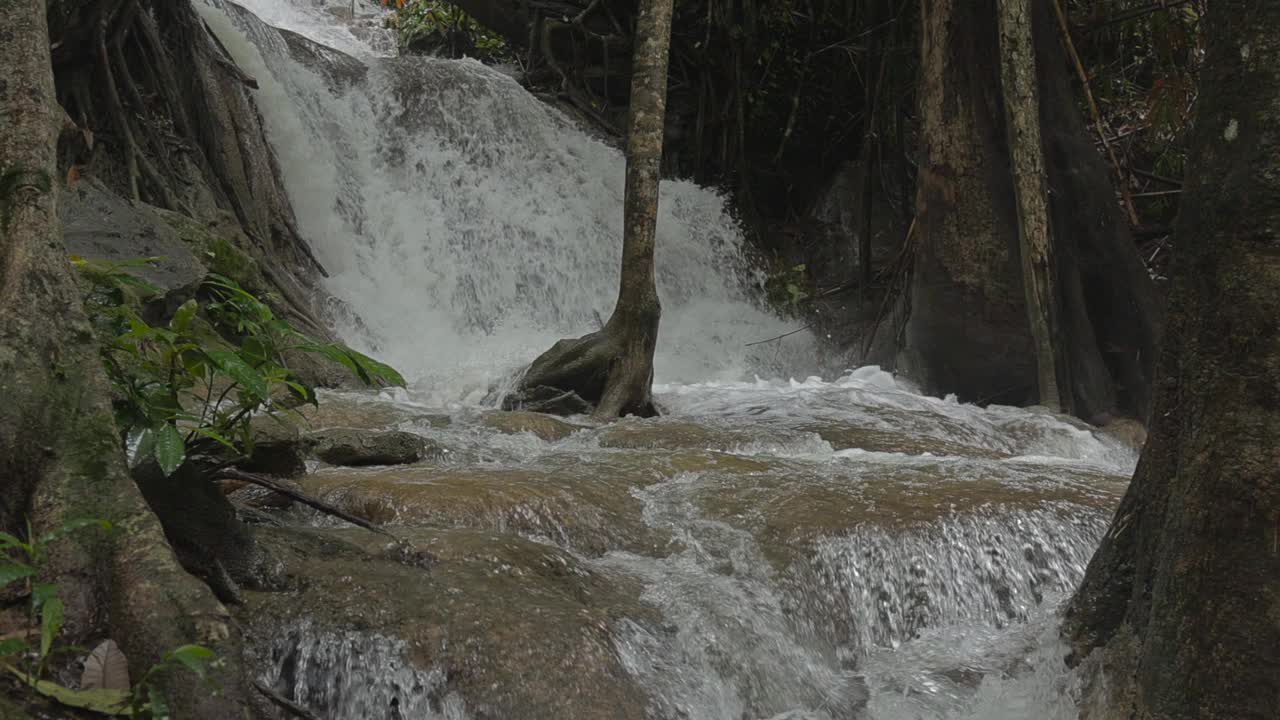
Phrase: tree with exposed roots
pixel 60 453
pixel 612 369
pixel 1182 598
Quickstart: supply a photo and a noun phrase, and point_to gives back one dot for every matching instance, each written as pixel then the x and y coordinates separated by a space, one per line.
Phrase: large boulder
pixel 99 225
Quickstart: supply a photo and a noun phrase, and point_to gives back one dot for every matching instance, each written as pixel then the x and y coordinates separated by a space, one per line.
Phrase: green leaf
pixel 12 646
pixel 302 392
pixel 182 318
pixel 13 572
pixel 170 449
pixel 43 593
pixel 206 432
pixel 106 702
pixel 146 447
pixel 377 369
pixel 239 371
pixel 362 366
pixel 50 624
pixel 195 658
pixel 7 541
pixel 335 353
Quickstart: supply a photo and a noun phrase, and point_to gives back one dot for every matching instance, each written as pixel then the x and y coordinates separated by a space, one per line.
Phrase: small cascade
pixel 356 675
pixel 989 568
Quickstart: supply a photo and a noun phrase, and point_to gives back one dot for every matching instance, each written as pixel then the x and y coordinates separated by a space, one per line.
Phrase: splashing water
pixel 470 226
pixel 835 549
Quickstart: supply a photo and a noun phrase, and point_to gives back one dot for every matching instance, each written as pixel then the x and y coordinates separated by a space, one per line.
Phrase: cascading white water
pixel 469 226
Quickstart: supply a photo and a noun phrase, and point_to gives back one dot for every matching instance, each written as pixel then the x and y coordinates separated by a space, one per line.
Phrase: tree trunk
pixel 1183 596
pixel 966 332
pixel 1022 122
pixel 613 368
pixel 964 326
pixel 60 455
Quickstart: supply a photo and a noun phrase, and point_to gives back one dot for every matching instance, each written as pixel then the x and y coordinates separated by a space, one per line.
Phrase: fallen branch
pixel 783 335
pixel 322 506
pixel 284 703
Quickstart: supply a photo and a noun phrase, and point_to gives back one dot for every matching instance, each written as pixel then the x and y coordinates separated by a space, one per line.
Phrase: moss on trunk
pixel 1183 596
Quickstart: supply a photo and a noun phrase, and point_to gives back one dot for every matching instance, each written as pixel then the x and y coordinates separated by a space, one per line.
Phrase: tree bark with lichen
pixel 1182 599
pixel 613 368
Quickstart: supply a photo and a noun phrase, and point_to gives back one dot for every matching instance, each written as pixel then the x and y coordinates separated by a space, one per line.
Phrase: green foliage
pixel 786 287
pixel 186 387
pixel 20 561
pixel 434 26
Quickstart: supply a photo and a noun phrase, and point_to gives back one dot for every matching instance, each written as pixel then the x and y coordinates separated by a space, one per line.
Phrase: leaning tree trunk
pixel 1035 235
pixel 60 455
pixel 963 323
pixel 613 368
pixel 1183 596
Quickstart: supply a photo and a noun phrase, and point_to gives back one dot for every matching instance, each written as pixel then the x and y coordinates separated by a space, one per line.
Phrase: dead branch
pixel 305 499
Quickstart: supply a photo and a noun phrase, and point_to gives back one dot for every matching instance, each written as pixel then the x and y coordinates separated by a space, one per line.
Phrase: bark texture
pixel 962 327
pixel 966 330
pixel 60 455
pixel 1183 596
pixel 613 368
pixel 1035 235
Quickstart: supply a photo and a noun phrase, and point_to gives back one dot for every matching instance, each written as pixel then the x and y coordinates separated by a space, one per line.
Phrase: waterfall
pixel 469 225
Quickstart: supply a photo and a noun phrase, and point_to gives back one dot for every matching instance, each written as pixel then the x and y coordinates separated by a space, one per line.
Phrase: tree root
pixel 598 369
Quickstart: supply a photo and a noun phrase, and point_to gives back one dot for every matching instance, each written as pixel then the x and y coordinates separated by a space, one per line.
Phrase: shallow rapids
pixel 767 550
pixel 797 549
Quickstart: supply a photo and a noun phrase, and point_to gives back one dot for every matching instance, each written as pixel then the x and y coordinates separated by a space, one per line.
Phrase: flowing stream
pixel 771 548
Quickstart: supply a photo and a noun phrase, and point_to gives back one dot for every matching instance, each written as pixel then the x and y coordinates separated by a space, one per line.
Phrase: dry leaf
pixel 73 174
pixel 106 668
pixel 88 137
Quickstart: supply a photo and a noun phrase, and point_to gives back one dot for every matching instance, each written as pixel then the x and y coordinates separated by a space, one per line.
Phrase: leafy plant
pixel 193 384
pixel 435 24
pixel 20 561
pixel 786 287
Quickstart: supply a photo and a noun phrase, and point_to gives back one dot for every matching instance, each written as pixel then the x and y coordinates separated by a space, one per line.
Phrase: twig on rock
pixel 322 506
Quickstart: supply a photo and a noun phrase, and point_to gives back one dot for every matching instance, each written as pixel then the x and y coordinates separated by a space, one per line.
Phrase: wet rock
pixel 278 448
pixel 365 412
pixel 847 437
pixel 499 626
pixel 100 225
pixel 351 447
pixel 1127 431
pixel 543 426
pixel 588 509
